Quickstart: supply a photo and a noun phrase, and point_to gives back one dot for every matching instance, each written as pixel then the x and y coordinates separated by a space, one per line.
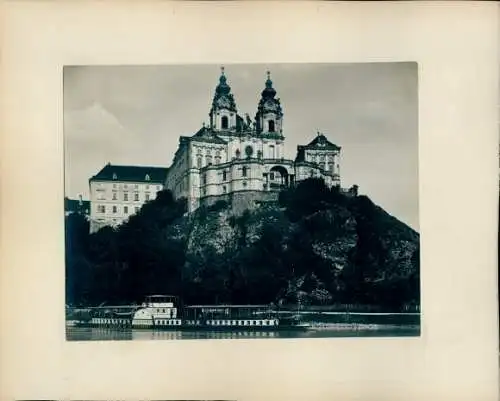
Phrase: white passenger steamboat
pixel 160 312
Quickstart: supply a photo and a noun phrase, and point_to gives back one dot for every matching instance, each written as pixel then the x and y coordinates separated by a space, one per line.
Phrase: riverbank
pixel 317 332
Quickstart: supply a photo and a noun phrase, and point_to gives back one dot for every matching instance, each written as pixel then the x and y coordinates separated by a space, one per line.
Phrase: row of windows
pixel 208 152
pixel 114 209
pixel 321 158
pixel 217 159
pixel 208 161
pixel 326 167
pixel 243 322
pixel 264 185
pixel 147 196
pixel 244 173
pixel 146 177
pixel 136 186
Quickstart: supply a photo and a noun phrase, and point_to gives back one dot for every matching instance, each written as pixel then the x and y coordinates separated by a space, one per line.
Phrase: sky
pixel 135 114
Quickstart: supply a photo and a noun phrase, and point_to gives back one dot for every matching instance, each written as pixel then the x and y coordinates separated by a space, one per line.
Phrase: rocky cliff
pixel 314 245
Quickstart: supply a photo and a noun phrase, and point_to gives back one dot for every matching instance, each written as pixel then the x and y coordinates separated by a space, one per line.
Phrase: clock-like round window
pixel 249 151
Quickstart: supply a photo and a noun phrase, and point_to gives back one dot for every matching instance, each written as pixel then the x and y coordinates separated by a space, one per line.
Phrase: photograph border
pixel 456 46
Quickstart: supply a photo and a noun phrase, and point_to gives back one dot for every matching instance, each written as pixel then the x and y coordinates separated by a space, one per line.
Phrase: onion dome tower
pixel 223 111
pixel 269 117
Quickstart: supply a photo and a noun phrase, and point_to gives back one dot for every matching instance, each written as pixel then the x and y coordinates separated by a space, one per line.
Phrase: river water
pixel 101 334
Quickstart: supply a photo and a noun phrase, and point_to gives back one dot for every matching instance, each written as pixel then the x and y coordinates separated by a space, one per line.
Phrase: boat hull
pixel 124 325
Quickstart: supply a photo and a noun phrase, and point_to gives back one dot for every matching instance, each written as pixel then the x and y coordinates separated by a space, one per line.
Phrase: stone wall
pixel 242 200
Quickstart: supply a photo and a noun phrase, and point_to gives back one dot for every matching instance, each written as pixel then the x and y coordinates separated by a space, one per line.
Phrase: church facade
pixel 236 155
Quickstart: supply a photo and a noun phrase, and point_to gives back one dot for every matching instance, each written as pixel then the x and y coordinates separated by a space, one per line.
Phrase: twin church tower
pixel 236 154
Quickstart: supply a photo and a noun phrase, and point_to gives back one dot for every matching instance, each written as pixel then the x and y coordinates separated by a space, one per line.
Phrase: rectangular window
pixel 136 209
pixel 114 209
pixel 114 195
pixel 224 176
pixel 125 196
pixel 101 209
pixel 136 196
pixel 147 186
pixel 125 209
pixel 147 197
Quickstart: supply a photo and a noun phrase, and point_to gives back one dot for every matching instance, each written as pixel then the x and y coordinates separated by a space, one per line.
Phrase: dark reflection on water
pixel 98 334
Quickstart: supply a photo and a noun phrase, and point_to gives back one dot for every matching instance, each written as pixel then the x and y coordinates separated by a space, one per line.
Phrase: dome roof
pixel 269 92
pixel 222 88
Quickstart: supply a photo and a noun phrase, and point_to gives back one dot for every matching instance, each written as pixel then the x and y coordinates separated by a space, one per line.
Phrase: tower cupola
pixel 269 92
pixel 269 117
pixel 223 112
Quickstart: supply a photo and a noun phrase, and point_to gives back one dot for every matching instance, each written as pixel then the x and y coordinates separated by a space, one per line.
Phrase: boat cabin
pixel 228 311
pixel 160 301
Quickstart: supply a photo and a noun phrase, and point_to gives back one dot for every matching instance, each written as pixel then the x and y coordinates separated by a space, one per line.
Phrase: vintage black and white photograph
pixel 241 201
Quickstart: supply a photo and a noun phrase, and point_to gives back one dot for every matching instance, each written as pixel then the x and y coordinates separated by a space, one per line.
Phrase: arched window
pixel 271 126
pixel 209 160
pixel 244 171
pixel 147 177
pixel 199 162
pixel 238 153
pixel 114 176
pixel 224 122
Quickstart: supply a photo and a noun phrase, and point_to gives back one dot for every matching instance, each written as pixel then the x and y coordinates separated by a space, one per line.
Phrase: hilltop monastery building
pixel 229 157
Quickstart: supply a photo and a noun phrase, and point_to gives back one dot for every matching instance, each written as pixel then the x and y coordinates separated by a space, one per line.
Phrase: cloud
pixel 93 137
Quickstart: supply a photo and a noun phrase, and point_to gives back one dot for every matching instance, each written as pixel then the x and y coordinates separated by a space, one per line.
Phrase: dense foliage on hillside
pixel 316 246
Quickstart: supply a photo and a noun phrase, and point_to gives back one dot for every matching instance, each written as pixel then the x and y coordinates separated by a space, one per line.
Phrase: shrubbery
pixel 141 257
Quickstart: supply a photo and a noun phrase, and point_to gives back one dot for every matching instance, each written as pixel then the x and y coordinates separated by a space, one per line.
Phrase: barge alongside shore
pixel 160 312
